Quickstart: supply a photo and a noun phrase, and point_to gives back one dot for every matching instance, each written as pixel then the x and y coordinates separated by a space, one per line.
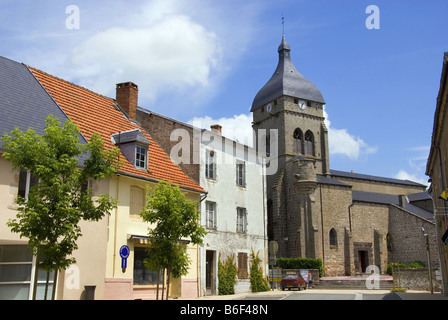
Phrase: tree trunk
pixel 163 282
pixel 158 280
pixel 46 284
pixel 168 283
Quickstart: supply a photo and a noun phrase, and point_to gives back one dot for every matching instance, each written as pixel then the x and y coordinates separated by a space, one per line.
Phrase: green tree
pixel 50 215
pixel 174 218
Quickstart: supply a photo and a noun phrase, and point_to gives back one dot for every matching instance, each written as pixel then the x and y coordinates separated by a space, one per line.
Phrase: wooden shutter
pixel 242 265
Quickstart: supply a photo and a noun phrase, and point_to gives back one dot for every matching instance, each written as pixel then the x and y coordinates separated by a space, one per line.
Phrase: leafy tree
pixel 174 218
pixel 50 216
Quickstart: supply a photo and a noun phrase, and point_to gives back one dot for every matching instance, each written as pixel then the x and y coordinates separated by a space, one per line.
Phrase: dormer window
pixel 140 157
pixel 134 146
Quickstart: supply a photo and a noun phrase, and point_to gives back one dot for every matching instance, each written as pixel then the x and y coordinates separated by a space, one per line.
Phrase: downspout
pixel 198 264
pixel 115 228
pixel 322 227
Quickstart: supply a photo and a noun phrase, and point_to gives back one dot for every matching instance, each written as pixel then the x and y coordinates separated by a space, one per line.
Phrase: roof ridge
pixel 69 82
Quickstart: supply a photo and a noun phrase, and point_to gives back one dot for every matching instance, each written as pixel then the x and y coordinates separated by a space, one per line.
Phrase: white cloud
pixel 238 128
pixel 342 142
pixel 402 174
pixel 166 51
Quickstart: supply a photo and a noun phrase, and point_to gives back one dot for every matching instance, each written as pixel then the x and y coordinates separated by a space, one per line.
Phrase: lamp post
pixel 429 259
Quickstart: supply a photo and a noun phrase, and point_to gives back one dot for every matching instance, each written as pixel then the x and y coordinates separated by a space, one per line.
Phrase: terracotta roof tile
pixel 92 112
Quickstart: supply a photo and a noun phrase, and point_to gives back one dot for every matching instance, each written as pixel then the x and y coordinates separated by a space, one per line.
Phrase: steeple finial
pixel 283 24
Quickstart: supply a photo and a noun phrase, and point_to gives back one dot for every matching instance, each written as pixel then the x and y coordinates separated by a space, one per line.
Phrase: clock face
pixel 302 104
pixel 269 107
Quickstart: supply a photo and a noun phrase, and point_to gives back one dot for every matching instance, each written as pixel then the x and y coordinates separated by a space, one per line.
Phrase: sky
pixel 203 61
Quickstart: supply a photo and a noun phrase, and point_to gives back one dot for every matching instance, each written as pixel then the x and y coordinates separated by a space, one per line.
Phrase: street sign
pixel 124 254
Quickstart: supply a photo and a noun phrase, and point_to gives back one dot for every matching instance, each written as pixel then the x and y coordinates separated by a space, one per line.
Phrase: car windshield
pixel 291 276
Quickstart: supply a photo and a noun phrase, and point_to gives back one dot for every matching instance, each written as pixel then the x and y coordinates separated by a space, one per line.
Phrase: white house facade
pixel 234 211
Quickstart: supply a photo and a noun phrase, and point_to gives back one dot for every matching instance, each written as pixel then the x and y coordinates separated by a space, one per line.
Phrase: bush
pixel 401 265
pixel 300 263
pixel 257 283
pixel 226 276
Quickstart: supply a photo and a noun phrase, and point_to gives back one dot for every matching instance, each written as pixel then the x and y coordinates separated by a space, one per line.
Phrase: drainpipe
pixel 115 228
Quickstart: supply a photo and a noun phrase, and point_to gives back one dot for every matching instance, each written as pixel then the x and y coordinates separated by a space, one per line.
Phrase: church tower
pixel 288 121
pixel 292 105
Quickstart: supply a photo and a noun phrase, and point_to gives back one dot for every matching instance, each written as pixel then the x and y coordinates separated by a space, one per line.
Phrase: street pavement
pixel 330 294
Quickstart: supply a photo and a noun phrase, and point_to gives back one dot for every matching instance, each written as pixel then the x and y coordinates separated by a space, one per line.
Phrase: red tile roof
pixel 92 112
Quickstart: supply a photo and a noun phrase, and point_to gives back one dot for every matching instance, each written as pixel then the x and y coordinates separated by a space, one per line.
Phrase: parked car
pixel 293 280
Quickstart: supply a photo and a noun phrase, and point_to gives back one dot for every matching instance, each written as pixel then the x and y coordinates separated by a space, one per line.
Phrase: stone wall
pixel 416 279
pixel 407 240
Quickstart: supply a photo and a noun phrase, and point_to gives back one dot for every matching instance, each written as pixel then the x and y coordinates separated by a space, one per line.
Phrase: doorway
pixel 209 273
pixel 363 259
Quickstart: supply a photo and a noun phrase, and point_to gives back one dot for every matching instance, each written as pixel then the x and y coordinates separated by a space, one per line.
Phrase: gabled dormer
pixel 134 146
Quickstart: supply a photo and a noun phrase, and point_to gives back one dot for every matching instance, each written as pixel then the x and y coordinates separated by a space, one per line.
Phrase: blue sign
pixel 124 254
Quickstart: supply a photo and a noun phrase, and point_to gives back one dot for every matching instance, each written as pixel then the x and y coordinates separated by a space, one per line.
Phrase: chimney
pixel 216 128
pixel 402 200
pixel 127 98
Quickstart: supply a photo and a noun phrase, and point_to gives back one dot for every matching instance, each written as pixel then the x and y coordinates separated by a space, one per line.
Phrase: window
pixel 140 157
pixel 241 173
pixel 27 180
pixel 210 215
pixel 242 265
pixel 309 143
pixel 210 165
pixel 241 220
pixel 137 201
pixel 17 278
pixel 298 139
pixel 143 276
pixel 333 238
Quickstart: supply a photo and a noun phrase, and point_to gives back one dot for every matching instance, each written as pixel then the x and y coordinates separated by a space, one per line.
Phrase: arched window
pixel 333 238
pixel 298 141
pixel 309 143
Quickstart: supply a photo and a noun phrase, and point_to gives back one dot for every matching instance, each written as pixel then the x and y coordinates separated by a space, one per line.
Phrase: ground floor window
pixel 142 276
pixel 20 275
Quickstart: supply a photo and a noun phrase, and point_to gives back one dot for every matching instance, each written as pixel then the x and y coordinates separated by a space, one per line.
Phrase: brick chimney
pixel 127 98
pixel 216 128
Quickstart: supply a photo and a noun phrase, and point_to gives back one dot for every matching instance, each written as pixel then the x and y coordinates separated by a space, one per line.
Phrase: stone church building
pixel 351 221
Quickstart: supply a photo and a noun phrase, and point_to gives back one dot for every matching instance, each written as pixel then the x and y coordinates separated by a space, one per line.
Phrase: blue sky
pixel 206 60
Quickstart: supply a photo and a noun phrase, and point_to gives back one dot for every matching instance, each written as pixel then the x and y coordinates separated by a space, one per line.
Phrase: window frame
pixel 138 157
pixel 31 180
pixel 241 220
pixel 210 164
pixel 210 215
pixel 241 173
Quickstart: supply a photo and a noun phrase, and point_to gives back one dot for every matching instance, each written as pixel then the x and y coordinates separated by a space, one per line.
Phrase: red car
pixel 293 280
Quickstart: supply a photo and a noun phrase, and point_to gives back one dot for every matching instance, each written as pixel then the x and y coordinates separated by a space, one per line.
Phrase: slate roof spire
pixel 286 80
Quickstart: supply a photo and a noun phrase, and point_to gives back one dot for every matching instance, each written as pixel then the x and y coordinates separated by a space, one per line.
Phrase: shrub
pixel 258 284
pixel 401 265
pixel 300 263
pixel 226 276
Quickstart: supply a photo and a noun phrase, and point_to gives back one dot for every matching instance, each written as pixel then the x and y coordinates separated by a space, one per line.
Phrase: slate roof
pixel 382 198
pixel 352 175
pixel 286 80
pixel 24 103
pixel 92 112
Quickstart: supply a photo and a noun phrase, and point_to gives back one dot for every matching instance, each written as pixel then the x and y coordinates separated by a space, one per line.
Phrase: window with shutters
pixel 137 201
pixel 240 173
pixel 241 220
pixel 210 212
pixel 242 265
